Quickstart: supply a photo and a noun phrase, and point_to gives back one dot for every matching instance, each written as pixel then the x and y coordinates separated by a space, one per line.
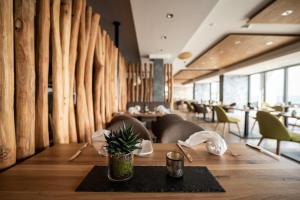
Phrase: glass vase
pixel 120 166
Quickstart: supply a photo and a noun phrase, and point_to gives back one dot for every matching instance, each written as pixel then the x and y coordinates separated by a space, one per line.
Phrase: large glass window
pixel 183 92
pixel 294 85
pixel 202 91
pixel 255 89
pixel 274 86
pixel 215 87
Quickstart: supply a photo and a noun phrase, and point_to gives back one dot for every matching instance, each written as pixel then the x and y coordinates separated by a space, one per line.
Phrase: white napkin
pixel 134 110
pixel 215 144
pixel 162 109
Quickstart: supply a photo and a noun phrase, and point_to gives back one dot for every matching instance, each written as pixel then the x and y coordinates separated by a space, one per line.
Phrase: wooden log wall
pixel 82 65
pixel 139 82
pixel 7 76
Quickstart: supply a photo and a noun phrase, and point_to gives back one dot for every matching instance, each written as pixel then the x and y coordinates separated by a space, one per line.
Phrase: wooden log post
pixel 88 79
pixel 60 135
pixel 76 14
pixel 108 94
pixel 103 86
pixel 128 82
pixel 82 118
pixel 97 83
pixel 25 77
pixel 42 71
pixel 171 87
pixel 141 83
pixel 137 82
pixel 114 98
pixel 7 122
pixel 151 83
pixel 65 32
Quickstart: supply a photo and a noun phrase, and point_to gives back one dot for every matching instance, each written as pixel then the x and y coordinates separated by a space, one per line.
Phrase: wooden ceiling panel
pixel 188 74
pixel 180 81
pixel 279 12
pixel 239 47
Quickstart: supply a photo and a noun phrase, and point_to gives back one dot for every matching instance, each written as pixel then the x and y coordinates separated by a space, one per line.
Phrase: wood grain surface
pixel 252 175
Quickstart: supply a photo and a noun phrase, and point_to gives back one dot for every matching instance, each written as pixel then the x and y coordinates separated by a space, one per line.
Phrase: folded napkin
pixel 162 109
pixel 134 110
pixel 215 144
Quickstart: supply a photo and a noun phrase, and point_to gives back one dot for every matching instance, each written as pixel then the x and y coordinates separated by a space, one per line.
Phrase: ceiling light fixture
pixel 287 13
pixel 237 42
pixel 269 43
pixel 185 55
pixel 163 37
pixel 169 15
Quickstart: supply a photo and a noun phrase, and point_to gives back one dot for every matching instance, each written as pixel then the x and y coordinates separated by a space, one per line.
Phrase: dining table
pixel 244 174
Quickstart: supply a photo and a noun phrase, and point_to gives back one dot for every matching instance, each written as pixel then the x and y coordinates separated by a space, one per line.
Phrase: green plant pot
pixel 120 167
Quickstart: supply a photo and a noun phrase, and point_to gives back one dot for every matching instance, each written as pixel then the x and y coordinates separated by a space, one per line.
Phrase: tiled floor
pixel 230 138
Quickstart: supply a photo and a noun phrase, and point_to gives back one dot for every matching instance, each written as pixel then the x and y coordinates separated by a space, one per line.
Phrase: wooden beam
pixel 25 77
pixel 76 14
pixel 82 118
pixel 97 82
pixel 7 122
pixel 65 33
pixel 42 71
pixel 88 79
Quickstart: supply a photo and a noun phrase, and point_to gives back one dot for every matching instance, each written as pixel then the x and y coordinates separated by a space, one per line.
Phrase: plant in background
pixel 120 147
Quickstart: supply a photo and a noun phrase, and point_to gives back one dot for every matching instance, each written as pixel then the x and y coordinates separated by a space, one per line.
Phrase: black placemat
pixel 152 179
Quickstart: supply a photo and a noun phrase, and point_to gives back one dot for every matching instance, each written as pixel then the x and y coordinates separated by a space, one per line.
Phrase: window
pixel 215 86
pixel 294 85
pixel 202 91
pixel 274 86
pixel 183 92
pixel 255 89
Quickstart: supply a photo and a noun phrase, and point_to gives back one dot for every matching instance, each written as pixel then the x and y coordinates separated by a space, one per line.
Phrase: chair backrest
pixel 271 127
pixel 221 114
pixel 278 108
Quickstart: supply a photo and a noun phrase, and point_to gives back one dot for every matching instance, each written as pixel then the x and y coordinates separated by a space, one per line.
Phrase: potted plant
pixel 120 147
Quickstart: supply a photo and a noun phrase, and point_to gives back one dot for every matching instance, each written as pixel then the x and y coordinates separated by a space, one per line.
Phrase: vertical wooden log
pixel 128 82
pixel 114 62
pixel 103 86
pixel 88 79
pixel 81 106
pixel 141 83
pixel 65 32
pixel 7 122
pixel 60 136
pixel 107 80
pixel 171 87
pixel 132 82
pixel 137 82
pixel 42 70
pixel 25 77
pixel 151 83
pixel 166 79
pixel 76 13
pixel 97 83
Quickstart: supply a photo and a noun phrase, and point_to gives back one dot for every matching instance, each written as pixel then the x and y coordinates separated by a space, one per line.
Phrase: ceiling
pixel 151 24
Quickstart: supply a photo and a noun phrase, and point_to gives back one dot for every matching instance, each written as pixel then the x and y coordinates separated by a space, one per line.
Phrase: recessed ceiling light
pixel 269 43
pixel 287 13
pixel 163 37
pixel 170 15
pixel 237 42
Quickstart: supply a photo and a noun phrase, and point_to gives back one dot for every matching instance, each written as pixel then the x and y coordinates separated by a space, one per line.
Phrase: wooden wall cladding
pixel 139 82
pixel 239 47
pixel 169 83
pixel 7 76
pixel 278 13
pixel 84 62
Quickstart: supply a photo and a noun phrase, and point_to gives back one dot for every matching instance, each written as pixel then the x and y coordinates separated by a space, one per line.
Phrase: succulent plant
pixel 122 141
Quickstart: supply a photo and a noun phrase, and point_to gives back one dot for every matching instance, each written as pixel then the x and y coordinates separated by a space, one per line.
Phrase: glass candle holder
pixel 175 164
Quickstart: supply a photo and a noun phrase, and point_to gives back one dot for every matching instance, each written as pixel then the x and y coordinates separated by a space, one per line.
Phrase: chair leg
pixel 217 126
pixel 238 126
pixel 224 130
pixel 228 127
pixel 253 126
pixel 278 147
pixel 261 139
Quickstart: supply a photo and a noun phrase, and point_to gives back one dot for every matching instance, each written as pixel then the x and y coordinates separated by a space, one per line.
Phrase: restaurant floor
pixel 231 138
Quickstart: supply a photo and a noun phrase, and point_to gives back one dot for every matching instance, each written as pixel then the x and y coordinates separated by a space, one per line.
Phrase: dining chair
pixel 225 119
pixel 272 128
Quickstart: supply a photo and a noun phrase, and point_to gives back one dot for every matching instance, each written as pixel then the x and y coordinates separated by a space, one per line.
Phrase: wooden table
pixel 250 176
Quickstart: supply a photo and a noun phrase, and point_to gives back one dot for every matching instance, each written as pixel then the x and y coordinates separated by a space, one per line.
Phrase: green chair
pixel 270 127
pixel 223 118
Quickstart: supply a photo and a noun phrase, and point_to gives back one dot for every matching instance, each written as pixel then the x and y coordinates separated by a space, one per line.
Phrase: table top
pixel 252 175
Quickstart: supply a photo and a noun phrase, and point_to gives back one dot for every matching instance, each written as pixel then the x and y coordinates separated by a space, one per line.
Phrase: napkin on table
pixel 215 144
